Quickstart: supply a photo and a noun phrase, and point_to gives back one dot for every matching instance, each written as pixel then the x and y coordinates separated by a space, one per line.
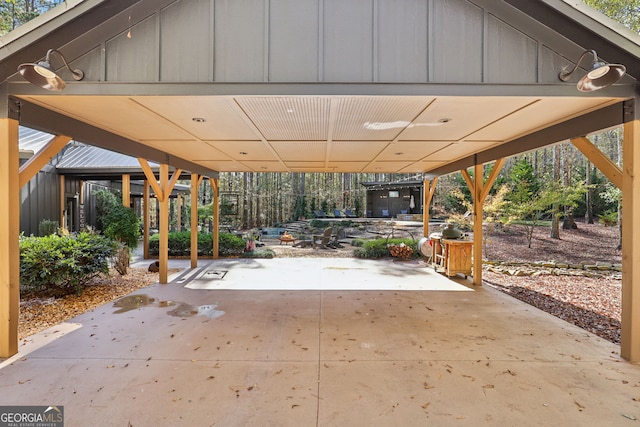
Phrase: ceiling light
pixel 199 120
pixel 599 76
pixel 41 74
pixel 243 153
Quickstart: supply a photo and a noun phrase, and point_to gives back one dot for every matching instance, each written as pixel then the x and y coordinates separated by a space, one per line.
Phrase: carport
pixel 209 86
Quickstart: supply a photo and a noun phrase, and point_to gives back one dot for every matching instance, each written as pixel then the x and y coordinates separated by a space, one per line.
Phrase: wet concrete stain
pixel 134 302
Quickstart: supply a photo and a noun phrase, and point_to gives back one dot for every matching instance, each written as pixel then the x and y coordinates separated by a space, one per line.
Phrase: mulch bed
pixel 593 304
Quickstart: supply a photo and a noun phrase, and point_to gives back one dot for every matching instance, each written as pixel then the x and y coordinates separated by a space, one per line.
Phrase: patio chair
pixel 385 213
pixel 338 214
pixel 322 241
pixel 349 213
pixel 319 214
pixel 334 241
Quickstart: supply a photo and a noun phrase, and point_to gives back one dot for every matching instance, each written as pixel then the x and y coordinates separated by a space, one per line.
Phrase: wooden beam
pixel 468 180
pixel 479 191
pixel 429 189
pixel 478 172
pixel 126 190
pixel 630 327
pixel 179 212
pixel 41 158
pixel 600 160
pixel 195 180
pixel 174 179
pixel 9 237
pixel 491 179
pixel 151 177
pixel 216 217
pixel 145 219
pixel 164 224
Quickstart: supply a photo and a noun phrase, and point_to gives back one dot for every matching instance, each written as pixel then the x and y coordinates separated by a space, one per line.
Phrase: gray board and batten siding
pixel 304 41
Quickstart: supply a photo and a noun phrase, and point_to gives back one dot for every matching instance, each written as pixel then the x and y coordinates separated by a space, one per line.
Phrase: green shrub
pixel 359 242
pixel 47 227
pixel 259 253
pixel 375 249
pixel 63 264
pixel 122 224
pixel 180 244
pixel 609 218
pixel 230 245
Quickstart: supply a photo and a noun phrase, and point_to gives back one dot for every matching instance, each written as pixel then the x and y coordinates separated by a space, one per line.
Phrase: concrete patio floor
pixel 399 345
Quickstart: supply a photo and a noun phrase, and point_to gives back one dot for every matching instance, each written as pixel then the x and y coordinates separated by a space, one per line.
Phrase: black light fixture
pixel 41 74
pixel 599 76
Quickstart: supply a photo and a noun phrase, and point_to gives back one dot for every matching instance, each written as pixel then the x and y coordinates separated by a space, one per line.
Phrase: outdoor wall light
pixel 41 74
pixel 599 76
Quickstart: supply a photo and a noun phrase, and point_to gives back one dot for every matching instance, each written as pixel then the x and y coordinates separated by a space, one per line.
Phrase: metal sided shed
pixel 411 86
pixel 391 199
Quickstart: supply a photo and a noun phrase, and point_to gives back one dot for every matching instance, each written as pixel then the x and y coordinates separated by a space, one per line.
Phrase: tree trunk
pixel 245 205
pixel 555 223
pixel 568 222
pixel 589 195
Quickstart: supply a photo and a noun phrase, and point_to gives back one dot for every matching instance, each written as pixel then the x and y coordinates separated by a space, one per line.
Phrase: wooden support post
pixel 216 217
pixel 429 190
pixel 146 212
pixel 194 220
pixel 126 190
pixel 630 328
pixel 479 191
pixel 478 202
pixel 162 189
pixel 9 234
pixel 179 208
pixel 163 226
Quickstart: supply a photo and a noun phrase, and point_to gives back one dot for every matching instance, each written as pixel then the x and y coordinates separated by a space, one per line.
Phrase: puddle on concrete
pixel 187 310
pixel 210 311
pixel 133 302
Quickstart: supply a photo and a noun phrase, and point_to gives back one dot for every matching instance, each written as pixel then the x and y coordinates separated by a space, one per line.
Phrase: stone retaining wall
pixel 539 268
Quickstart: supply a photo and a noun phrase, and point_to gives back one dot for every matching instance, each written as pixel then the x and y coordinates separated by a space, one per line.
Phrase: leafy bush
pixel 375 249
pixel 122 225
pixel 47 227
pixel 180 244
pixel 63 264
pixel 105 201
pixel 260 253
pixel 230 245
pixel 609 218
pixel 358 242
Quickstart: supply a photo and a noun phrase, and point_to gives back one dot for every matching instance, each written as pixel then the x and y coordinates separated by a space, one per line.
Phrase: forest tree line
pixel 556 183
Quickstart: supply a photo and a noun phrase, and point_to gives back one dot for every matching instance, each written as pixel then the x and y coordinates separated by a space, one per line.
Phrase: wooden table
pixel 451 255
